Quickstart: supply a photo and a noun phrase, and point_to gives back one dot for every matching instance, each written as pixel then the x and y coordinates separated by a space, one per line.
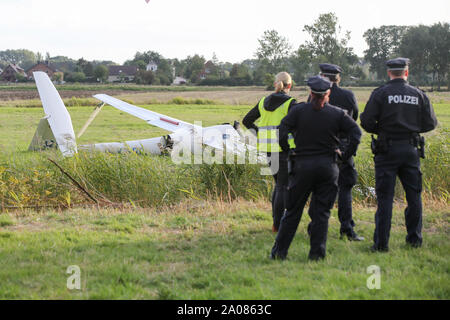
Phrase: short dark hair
pixel 332 77
pixel 397 73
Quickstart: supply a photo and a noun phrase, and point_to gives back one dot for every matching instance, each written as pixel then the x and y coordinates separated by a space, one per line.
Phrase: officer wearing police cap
pixel 397 112
pixel 315 126
pixel 344 99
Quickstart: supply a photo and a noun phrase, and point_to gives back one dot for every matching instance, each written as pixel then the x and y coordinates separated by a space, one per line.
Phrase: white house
pixel 152 66
pixel 179 80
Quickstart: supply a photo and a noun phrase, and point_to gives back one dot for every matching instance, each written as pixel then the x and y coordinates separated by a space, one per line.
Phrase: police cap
pixel 397 64
pixel 319 84
pixel 329 69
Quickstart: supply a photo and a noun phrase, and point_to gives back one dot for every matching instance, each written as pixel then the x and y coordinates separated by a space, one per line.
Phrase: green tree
pixel 179 66
pixel 240 74
pixel 301 64
pixel 164 72
pixel 101 73
pixel 58 77
pixel 88 70
pixel 194 66
pixel 416 45
pixel 145 77
pixel 327 44
pixel 273 51
pixel 76 77
pixel 63 64
pixel 440 51
pixel 22 57
pixel 259 73
pixel 268 81
pixel 384 43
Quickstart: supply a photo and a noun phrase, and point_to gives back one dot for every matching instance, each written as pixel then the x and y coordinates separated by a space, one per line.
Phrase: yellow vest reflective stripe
pixel 268 127
pixel 291 141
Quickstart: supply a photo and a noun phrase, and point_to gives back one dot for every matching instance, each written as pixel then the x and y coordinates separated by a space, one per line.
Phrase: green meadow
pixel 162 231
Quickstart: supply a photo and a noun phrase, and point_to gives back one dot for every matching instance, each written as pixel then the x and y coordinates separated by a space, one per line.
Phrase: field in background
pixel 203 231
pixel 26 95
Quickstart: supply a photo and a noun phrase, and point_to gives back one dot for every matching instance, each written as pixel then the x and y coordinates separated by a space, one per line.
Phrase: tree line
pixel 428 47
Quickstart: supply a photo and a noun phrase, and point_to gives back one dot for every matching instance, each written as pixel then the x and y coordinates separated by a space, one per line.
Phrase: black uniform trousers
pixel 279 195
pixel 401 159
pixel 346 182
pixel 316 175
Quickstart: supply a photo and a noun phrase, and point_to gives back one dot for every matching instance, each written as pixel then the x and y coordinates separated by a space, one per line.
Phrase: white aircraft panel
pixel 151 117
pixel 147 145
pixel 58 116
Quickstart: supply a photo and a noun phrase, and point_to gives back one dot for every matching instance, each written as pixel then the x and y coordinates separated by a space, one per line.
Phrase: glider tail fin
pixel 56 128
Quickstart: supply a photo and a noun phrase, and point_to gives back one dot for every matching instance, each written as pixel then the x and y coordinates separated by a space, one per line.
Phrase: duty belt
pixel 401 141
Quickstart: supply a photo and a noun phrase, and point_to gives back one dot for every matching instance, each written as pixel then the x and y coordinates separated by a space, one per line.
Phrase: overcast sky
pixel 116 29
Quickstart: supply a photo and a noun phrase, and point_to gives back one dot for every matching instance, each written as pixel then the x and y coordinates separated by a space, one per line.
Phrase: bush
pixel 76 77
pixel 145 77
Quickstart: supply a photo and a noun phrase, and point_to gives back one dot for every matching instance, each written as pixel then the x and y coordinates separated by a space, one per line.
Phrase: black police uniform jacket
pixel 316 131
pixel 344 99
pixel 397 109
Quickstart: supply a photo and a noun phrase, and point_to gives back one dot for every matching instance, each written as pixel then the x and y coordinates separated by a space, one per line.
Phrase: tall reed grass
pixel 30 180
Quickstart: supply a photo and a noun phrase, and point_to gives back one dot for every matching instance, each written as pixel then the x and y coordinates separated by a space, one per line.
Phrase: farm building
pixel 179 80
pixel 43 66
pixel 208 68
pixel 12 73
pixel 121 73
pixel 152 66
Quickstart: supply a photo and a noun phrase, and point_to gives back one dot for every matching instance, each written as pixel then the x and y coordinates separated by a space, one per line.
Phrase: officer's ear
pixel 407 73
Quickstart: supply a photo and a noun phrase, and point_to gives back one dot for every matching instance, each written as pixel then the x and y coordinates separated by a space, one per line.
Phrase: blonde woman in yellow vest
pixel 264 120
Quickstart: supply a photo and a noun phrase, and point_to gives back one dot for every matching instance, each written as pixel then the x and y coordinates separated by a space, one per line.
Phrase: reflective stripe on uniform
pixel 268 141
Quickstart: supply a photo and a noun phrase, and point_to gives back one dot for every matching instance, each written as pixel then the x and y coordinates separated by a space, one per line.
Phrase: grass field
pixel 207 239
pixel 209 251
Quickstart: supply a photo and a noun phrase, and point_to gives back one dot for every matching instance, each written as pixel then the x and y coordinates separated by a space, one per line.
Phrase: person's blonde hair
pixel 282 81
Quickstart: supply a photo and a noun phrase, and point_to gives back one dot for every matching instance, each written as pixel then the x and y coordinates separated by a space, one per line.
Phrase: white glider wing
pixel 58 116
pixel 151 117
pixel 219 137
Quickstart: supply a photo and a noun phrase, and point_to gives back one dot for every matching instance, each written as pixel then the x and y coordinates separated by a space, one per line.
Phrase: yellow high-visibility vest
pixel 268 127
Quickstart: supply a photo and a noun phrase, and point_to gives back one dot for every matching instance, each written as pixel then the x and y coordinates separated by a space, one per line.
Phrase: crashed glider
pixel 182 134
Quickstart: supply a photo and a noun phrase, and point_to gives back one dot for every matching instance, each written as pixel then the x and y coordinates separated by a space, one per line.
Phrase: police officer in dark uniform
pixel 397 112
pixel 264 119
pixel 344 99
pixel 315 126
